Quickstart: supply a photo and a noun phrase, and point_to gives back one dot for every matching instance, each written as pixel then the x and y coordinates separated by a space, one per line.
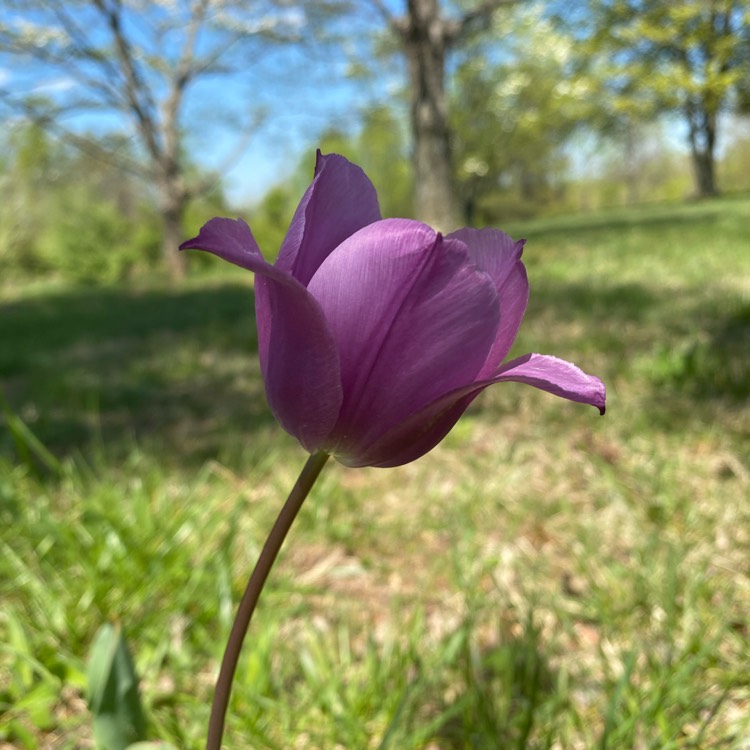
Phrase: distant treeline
pixel 479 112
pixel 65 211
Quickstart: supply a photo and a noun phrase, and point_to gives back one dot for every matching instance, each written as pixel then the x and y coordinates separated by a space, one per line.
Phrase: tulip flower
pixel 376 334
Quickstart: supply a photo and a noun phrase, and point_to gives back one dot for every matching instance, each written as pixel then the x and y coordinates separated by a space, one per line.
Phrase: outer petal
pixel 297 352
pixel 500 256
pixel 555 376
pixel 412 319
pixel 231 240
pixel 423 430
pixel 416 435
pixel 340 200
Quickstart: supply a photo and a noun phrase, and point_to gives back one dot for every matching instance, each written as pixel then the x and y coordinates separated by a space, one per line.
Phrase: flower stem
pixel 250 598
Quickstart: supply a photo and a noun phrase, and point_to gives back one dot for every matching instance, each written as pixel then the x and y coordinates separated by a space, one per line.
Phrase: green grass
pixel 544 579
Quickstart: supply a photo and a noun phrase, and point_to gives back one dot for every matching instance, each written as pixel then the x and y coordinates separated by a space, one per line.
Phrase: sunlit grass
pixel 545 578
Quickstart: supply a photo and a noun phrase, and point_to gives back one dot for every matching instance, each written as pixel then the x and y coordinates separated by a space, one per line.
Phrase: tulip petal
pixel 555 376
pixel 416 435
pixel 231 240
pixel 423 430
pixel 339 201
pixel 299 360
pixel 412 319
pixel 298 356
pixel 500 256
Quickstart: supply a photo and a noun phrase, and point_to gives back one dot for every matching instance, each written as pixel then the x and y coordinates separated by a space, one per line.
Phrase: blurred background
pixel 126 125
pixel 543 579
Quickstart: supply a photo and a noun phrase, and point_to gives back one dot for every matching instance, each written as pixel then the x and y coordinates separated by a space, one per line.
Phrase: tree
pixel 382 151
pixel 143 61
pixel 514 115
pixel 674 56
pixel 65 212
pixel 426 35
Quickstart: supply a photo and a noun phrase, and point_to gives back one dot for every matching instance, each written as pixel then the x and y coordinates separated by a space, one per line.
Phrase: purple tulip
pixel 374 335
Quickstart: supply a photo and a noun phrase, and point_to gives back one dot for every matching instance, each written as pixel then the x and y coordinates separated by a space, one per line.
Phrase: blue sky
pixel 276 105
pixel 296 106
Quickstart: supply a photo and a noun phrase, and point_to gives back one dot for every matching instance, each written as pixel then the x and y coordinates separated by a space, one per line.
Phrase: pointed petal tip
pixel 598 400
pixel 599 396
pixel 340 200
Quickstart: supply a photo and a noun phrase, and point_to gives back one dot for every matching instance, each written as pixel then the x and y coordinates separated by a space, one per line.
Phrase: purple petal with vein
pixel 415 435
pixel 340 200
pixel 299 360
pixel 230 239
pixel 412 319
pixel 423 430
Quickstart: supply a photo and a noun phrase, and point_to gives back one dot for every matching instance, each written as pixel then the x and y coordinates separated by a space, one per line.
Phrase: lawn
pixel 545 578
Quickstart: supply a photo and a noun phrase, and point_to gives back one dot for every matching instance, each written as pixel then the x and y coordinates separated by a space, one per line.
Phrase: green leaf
pixel 28 445
pixel 113 692
pixel 23 672
pixel 22 736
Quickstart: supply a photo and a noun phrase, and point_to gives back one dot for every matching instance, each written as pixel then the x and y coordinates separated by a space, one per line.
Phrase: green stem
pixel 271 548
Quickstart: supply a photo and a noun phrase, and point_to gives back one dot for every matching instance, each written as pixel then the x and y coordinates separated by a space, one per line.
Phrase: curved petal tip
pixel 556 376
pixel 230 239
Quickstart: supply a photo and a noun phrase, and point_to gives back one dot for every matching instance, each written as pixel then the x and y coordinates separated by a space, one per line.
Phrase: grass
pixel 544 579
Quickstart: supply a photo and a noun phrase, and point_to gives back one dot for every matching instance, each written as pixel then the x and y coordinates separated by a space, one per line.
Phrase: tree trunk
pixel 632 167
pixel 172 210
pixel 703 167
pixel 702 137
pixel 424 39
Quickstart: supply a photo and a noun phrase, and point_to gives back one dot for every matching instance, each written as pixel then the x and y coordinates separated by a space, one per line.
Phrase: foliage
pixel 66 212
pixel 543 579
pixel 514 114
pixel 382 152
pixel 270 219
pixel 688 57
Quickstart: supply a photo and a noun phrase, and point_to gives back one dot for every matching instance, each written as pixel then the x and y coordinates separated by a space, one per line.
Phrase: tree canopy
pixel 689 57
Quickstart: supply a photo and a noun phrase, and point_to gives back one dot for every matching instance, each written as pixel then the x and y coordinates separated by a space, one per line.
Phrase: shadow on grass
pixel 592 304
pixel 93 367
pixel 699 345
pixel 656 218
pixel 34 329
pixel 715 362
pixel 682 356
pixel 105 367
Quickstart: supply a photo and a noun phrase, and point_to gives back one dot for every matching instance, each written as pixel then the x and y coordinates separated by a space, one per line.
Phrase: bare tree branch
pixel 137 93
pixel 139 59
pixel 50 120
pixel 474 19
